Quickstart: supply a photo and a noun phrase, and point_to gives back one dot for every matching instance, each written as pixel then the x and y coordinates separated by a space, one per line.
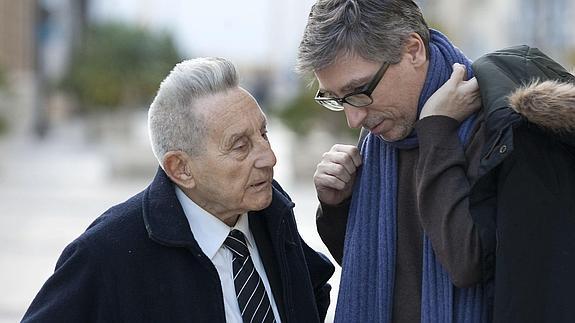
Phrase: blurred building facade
pixel 36 41
pixel 18 61
pixel 17 43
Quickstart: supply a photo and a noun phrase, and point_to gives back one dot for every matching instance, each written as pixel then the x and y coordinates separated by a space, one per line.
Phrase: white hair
pixel 173 123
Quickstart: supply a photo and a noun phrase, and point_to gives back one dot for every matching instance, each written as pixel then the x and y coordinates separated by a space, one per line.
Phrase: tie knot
pixel 236 243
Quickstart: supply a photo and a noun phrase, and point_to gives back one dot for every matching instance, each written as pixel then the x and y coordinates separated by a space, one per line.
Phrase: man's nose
pixel 355 116
pixel 267 158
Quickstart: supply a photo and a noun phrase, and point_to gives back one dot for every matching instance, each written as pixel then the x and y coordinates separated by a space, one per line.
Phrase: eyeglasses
pixel 358 99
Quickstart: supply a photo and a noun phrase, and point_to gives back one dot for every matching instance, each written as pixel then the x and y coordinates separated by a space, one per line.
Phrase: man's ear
pixel 415 50
pixel 176 166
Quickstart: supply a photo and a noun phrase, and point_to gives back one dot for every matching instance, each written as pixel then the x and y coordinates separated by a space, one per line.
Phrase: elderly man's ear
pixel 177 167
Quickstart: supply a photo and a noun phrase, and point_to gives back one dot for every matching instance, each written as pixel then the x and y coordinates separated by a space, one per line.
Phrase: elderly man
pixel 212 239
pixel 453 216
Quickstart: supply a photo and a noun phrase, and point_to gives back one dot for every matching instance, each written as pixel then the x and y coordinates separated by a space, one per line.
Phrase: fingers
pixel 335 173
pixel 351 151
pixel 456 98
pixel 458 74
pixel 470 90
pixel 325 180
pixel 470 86
pixel 337 166
pixel 341 161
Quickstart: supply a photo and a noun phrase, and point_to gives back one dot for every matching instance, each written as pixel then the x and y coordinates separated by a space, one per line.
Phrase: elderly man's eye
pixel 265 135
pixel 240 145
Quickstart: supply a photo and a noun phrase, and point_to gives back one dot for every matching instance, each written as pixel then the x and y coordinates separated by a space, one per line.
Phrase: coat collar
pixel 166 222
pixel 276 213
pixel 163 215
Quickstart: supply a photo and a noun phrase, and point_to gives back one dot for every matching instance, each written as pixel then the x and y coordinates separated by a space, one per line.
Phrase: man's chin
pixel 393 136
pixel 388 138
pixel 262 202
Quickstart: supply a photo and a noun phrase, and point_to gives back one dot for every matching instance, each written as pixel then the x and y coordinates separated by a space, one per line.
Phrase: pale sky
pixel 248 32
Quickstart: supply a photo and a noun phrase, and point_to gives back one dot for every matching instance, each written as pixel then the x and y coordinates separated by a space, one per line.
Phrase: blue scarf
pixel 368 273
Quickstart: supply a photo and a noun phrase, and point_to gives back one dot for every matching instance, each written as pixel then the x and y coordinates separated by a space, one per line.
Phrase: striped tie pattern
pixel 250 291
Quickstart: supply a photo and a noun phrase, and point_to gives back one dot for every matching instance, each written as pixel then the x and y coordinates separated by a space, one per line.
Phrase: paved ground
pixel 50 192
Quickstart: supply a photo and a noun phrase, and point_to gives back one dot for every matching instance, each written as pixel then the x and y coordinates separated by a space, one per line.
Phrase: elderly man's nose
pixel 267 158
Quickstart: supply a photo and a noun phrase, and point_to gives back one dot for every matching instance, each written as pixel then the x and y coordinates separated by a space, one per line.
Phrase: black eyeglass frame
pixel 367 90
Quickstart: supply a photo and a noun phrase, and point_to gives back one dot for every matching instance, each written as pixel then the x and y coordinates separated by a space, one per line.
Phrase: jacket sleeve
pixel 71 293
pixel 331 224
pixel 320 271
pixel 443 190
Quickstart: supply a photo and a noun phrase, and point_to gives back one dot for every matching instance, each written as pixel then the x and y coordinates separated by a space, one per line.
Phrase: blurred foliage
pixel 119 66
pixel 301 114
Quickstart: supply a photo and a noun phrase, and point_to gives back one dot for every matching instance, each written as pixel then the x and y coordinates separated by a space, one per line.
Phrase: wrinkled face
pixel 393 112
pixel 234 174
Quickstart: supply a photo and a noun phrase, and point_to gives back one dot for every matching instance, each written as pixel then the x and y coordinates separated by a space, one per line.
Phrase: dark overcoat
pixel 524 203
pixel 139 262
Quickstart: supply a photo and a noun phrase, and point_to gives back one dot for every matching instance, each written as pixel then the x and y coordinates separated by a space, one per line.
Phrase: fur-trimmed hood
pixel 549 104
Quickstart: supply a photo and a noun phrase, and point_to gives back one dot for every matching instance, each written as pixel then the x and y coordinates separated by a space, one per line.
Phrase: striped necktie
pixel 250 291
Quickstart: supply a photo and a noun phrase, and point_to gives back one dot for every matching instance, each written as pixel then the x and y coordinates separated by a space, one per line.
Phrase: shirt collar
pixel 209 231
pixel 244 226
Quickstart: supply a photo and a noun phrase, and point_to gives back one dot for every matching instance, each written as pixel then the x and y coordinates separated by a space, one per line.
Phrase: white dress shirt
pixel 210 233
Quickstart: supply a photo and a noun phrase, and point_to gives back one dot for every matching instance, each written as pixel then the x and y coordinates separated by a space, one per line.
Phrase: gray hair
pixel 376 30
pixel 173 122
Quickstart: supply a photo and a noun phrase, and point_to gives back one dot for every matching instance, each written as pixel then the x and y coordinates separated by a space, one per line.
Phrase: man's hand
pixel 335 174
pixel 456 98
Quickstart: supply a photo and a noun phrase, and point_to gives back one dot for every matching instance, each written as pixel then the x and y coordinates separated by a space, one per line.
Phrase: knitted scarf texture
pixel 368 273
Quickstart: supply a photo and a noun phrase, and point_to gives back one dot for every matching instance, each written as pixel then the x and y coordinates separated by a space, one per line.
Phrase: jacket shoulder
pixel 522 64
pixel 120 224
pixel 502 72
pixel 521 83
